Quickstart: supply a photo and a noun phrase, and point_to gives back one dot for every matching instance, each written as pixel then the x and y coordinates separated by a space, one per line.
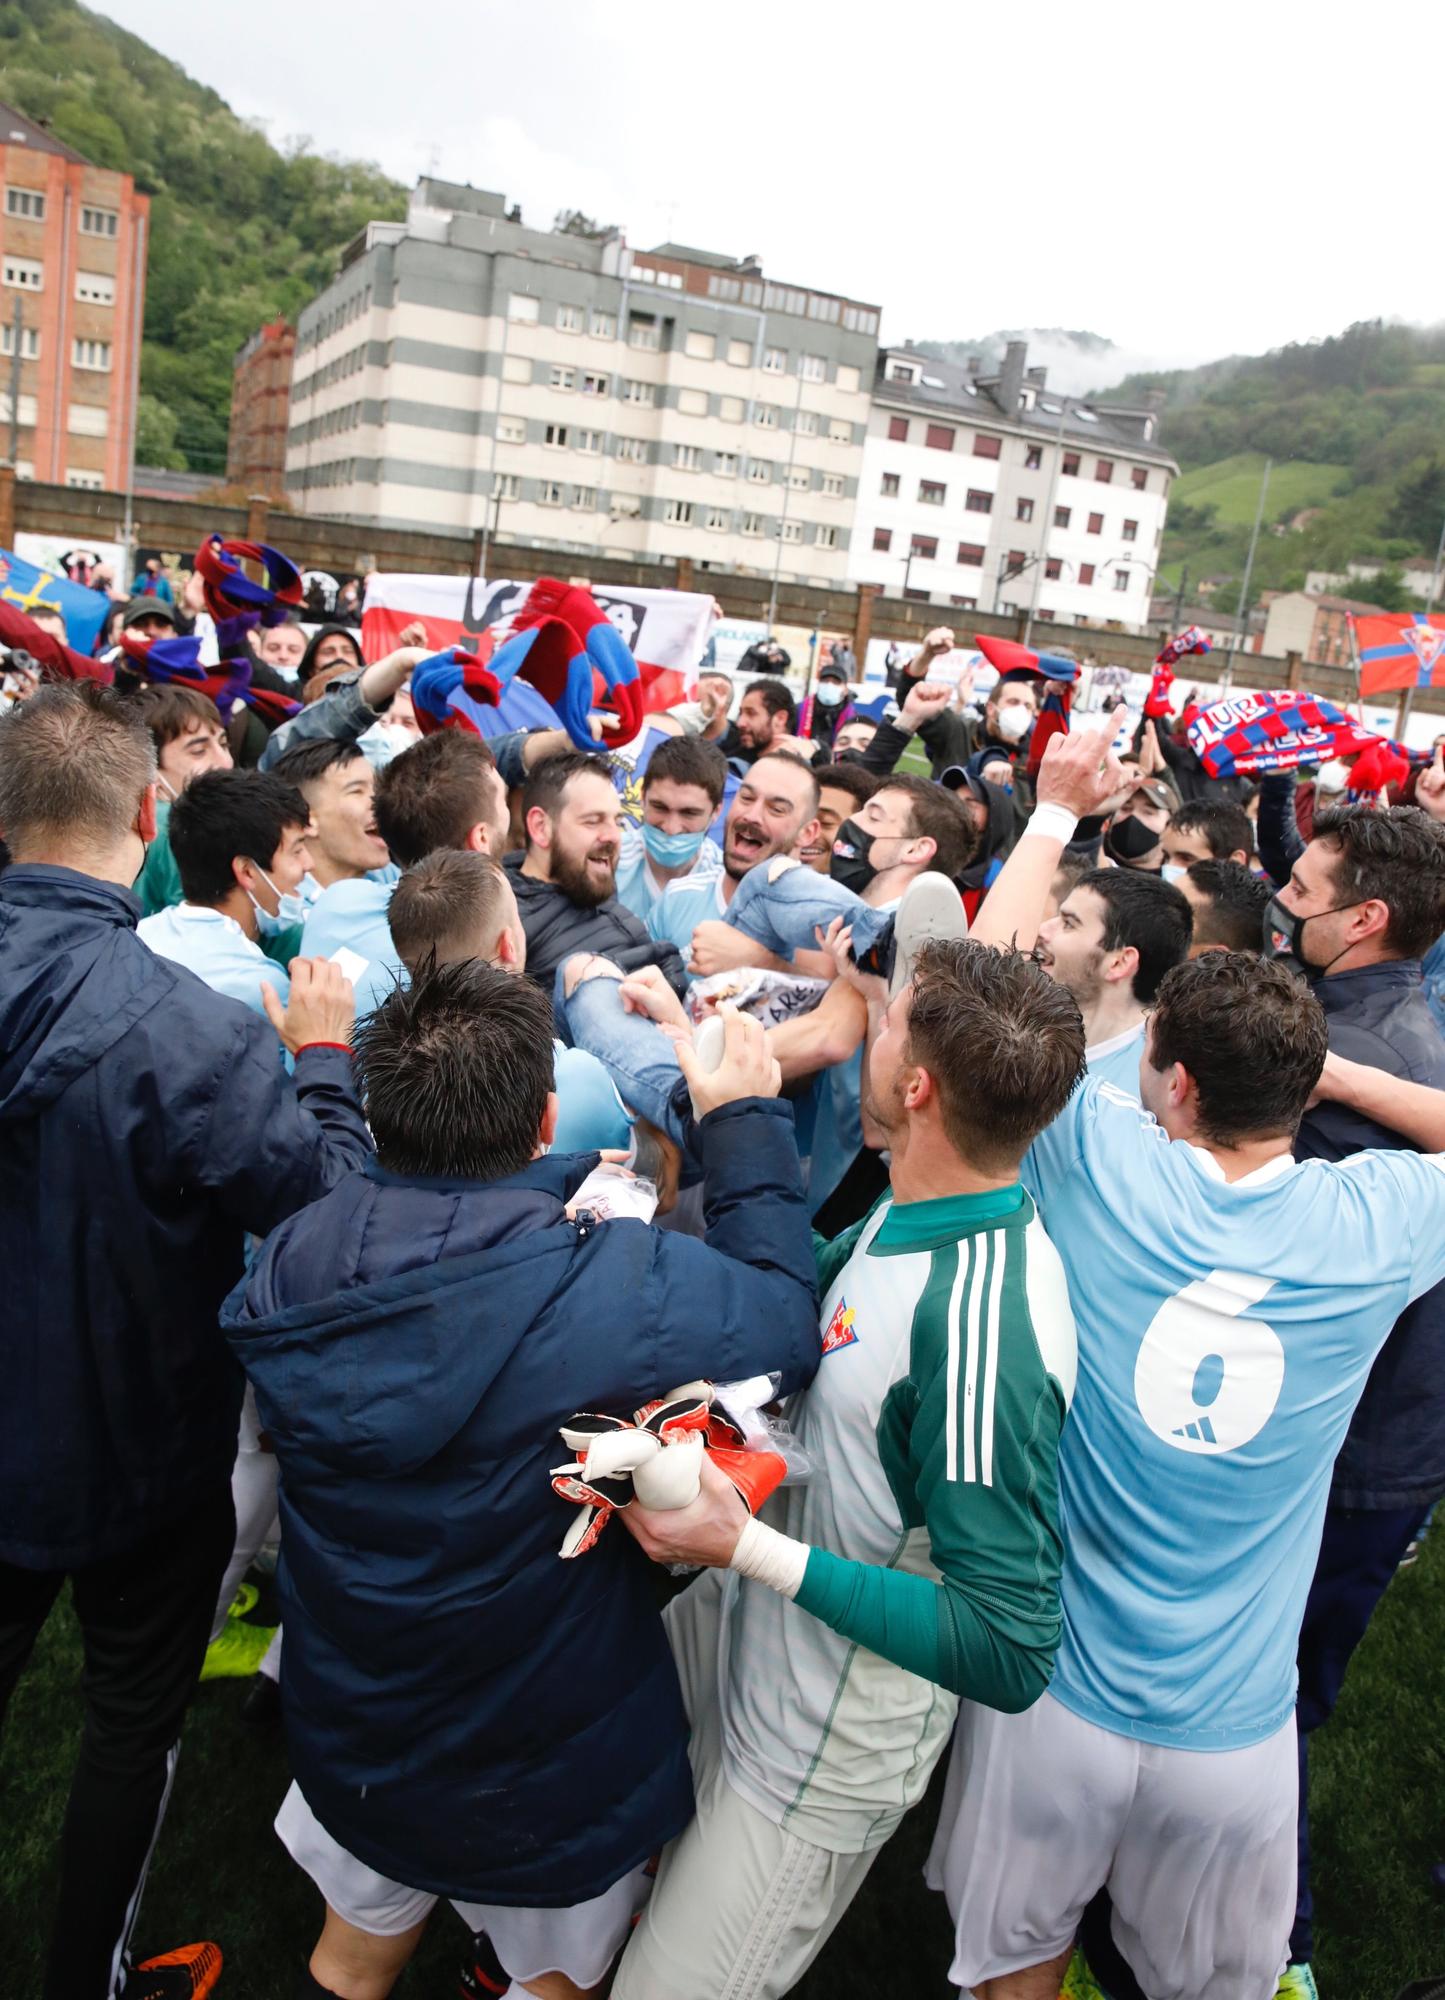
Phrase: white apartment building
pixel 464 371
pixel 989 493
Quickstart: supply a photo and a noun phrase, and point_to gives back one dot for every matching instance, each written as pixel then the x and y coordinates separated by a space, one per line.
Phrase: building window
pixel 740 354
pixel 25 204
pixel 562 378
pixel 760 471
pixel 1096 524
pixel 1015 562
pixel 555 435
pixel 642 333
pixel 1121 579
pixel 1033 458
pixel 584 498
pixel 99 222
pixel 901 371
pixel 27 414
pixel 898 430
pixel 1063 516
pixel 1044 617
pixel 512 430
pixel 588 441
pixel 508 486
pixel 643 394
pixel 1086 574
pixel 524 309
pixel 91 354
pixel 752 524
pixel 766 415
pixel 964 603
pixel 987 447
pixel 686 458
pixel 717 520
pixel 813 368
pixel 569 319
pixel 1053 568
pixel 29 341
pixel 925 547
pixel 840 431
pixel 516 368
pixel 848 379
pixel 775 361
pixel 827 538
pixel 791 531
pixel 1071 465
pixel 89 482
pixel 692 402
pixel 888 486
pixel 89 420
pixel 550 493
pixel 882 540
pixel 700 346
pixel 800 479
pixel 970 554
pixel 603 326
pixel 732 409
pixel 1131 531
pixel 94 288
pixel 805 423
pixel 931 493
pixel 634 450
pixel 725 464
pixel 1139 478
pixel 1024 511
pixel 939 437
pixel 624 507
pixel 1104 470
pixel 833 485
pixel 24 274
pixel 917 596
pixel 978 502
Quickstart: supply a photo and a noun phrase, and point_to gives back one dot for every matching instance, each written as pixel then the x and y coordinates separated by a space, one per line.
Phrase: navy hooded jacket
pixel 466 1712
pixel 145 1124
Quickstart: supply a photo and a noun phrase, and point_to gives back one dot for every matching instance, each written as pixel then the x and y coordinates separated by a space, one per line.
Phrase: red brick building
pixel 260 411
pixel 74 239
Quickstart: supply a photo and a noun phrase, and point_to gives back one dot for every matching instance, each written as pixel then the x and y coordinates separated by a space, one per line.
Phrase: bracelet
pixel 768 1557
pixel 1053 821
pixel 345 1047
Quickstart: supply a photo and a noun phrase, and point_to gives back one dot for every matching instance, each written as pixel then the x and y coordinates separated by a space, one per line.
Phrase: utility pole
pixel 16 332
pixel 1407 699
pixel 1179 596
pixel 1041 564
pixel 787 492
pixel 1226 679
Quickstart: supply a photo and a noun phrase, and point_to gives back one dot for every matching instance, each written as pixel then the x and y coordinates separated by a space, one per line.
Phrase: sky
pixel 1191 182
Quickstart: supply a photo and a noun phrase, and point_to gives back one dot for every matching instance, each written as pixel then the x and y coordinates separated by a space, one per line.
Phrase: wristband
pixel 345 1047
pixel 770 1558
pixel 1054 822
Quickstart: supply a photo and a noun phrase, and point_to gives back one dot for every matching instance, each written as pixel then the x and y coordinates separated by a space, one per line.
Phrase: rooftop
pixel 18 130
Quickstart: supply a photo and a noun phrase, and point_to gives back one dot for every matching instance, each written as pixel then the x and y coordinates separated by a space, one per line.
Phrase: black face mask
pixel 850 864
pixel 1284 936
pixel 1130 840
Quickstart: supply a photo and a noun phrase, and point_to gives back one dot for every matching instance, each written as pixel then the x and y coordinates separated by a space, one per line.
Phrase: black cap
pixel 148 606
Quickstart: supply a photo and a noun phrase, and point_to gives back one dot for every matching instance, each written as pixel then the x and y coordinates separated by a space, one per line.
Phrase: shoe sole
pixel 710 1043
pixel 931 912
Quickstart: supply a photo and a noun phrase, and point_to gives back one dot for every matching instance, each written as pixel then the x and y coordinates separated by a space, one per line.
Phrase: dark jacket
pixel 465 1711
pixel 556 927
pixel 1394 1452
pixel 145 1123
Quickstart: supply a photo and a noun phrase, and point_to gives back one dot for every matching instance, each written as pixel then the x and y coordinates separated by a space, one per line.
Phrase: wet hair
pixel 74 763
pixel 449 906
pixel 1398 856
pixel 1252 1036
pixel 433 794
pixel 1226 828
pixel 1148 913
pixel 687 760
pixel 225 814
pixel 1234 916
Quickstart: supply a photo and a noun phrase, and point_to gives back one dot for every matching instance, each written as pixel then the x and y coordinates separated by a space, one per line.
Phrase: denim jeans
pixel 636 1051
pixel 783 916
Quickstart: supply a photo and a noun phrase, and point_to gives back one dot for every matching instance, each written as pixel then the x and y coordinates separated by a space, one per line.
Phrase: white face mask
pixel 1013 720
pixel 1333 776
pixel 830 693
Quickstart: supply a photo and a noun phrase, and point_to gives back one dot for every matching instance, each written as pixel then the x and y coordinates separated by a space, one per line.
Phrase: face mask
pixel 1013 721
pixel 1333 777
pixel 849 864
pixel 830 694
pixel 1284 935
pixel 672 850
pixel 290 909
pixel 1130 840
pixel 1171 873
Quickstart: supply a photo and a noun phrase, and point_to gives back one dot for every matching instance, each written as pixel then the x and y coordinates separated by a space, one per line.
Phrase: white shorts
pixel 581 1941
pixel 1197 1848
pixel 740 1908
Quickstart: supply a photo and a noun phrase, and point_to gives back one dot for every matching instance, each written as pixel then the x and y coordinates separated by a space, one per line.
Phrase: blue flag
pixel 30 589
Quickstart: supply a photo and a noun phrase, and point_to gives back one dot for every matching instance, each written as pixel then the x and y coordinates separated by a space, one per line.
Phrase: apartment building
pixel 557 387
pixel 260 407
pixel 991 493
pixel 73 238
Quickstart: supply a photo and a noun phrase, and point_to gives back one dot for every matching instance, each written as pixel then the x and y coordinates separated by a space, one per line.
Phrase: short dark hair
pixel 937 815
pixel 455 1070
pixel 776 699
pixel 548 781
pixel 1252 1036
pixel 309 761
pixel 169 709
pixel 1234 919
pixel 1148 913
pixel 687 760
pixel 1003 1043
pixel 74 763
pixel 860 785
pixel 1397 855
pixel 1227 828
pixel 433 794
pixel 787 757
pixel 445 905
pixel 225 814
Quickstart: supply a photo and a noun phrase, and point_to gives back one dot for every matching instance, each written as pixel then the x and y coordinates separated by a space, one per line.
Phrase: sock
pixel 309 1987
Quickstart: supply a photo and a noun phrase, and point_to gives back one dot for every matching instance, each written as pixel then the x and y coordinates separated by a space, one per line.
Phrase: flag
pixel 30 589
pixel 1253 733
pixel 1190 640
pixel 1402 649
pixel 1011 658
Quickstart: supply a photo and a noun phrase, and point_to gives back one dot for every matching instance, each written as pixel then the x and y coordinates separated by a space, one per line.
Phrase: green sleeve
pixel 285 946
pixel 831 1257
pixel 158 884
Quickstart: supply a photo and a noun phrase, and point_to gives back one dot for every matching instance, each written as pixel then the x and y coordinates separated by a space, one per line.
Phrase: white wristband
pixel 770 1558
pixel 1054 822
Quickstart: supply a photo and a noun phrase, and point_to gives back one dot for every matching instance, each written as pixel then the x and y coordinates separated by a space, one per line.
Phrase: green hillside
pixel 1231 488
pixel 239 231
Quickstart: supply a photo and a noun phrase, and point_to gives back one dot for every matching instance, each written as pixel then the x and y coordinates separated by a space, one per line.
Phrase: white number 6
pixel 1206 1378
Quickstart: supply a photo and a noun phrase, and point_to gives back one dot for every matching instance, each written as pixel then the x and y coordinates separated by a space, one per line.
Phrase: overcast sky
pixel 1190 181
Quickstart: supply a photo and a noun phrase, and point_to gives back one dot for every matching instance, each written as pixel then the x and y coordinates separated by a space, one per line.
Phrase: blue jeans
pixel 639 1056
pixel 783 916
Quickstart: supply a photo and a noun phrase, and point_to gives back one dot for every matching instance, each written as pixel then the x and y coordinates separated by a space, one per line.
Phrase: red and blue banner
pixel 1403 649
pixel 1253 733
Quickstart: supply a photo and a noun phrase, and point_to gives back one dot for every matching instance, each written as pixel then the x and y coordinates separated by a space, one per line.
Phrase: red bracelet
pixel 345 1047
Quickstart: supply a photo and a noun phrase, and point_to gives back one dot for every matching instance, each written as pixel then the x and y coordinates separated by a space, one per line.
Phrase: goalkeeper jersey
pixel 933 1425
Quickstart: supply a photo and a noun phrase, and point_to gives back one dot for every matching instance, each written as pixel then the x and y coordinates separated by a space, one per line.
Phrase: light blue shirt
pixel 684 905
pixel 1225 1333
pixel 1117 1059
pixel 639 889
pixel 216 949
pixel 353 915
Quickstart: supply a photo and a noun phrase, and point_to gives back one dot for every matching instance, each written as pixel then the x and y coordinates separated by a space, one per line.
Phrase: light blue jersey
pixel 353 915
pixel 1225 1334
pixel 1117 1060
pixel 639 889
pixel 684 906
pixel 216 949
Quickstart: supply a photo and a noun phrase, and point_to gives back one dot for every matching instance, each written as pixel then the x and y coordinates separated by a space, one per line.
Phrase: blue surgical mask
pixel 1172 873
pixel 830 693
pixel 291 909
pixel 672 850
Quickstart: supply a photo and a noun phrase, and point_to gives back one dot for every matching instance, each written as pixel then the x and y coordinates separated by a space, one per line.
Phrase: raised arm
pixel 1079 773
pixel 1415 1110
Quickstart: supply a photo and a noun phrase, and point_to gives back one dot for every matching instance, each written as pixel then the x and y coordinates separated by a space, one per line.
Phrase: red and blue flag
pixel 1403 649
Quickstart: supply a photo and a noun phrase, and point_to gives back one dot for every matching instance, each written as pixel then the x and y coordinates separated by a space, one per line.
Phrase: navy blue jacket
pixel 466 1712
pixel 1394 1452
pixel 145 1124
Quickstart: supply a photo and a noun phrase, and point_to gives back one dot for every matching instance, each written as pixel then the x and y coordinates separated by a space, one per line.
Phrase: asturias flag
pixel 30 589
pixel 1400 650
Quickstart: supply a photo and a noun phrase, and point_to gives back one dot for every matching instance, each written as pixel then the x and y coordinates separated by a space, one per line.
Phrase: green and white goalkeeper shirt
pixel 933 1422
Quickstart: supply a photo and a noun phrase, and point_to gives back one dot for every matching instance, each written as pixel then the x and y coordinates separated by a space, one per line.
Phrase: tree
pixel 1387 590
pixel 1419 505
pixel 155 436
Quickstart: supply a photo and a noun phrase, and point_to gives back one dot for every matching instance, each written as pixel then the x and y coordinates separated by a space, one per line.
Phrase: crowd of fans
pixel 405 1147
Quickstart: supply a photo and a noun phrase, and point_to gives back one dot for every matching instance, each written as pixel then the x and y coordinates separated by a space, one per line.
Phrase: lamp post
pixel 787 492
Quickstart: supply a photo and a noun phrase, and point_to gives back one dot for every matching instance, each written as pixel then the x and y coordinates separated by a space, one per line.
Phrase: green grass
pixel 1379 1823
pixel 1232 487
